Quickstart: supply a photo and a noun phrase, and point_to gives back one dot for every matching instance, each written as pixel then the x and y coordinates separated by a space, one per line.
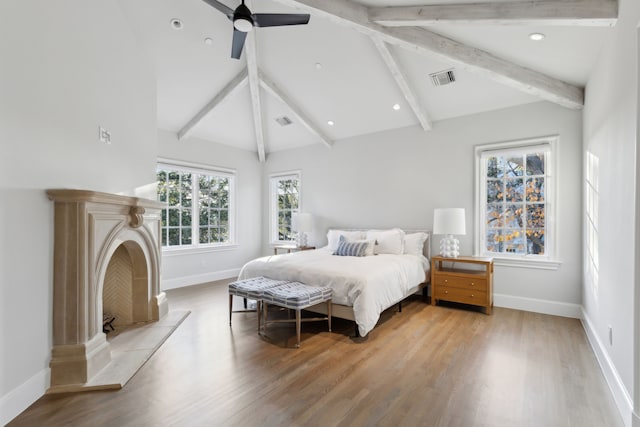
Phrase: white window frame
pixel 547 261
pixel 201 169
pixel 273 203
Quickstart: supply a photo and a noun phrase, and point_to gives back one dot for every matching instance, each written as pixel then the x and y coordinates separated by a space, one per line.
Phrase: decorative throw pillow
pixel 333 237
pixel 389 241
pixel 354 248
pixel 414 243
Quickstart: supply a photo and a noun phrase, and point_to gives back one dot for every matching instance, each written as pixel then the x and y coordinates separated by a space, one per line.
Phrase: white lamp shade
pixel 302 222
pixel 449 221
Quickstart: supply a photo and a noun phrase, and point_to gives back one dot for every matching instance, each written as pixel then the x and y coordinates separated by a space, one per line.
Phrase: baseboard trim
pixel 197 279
pixel 21 397
pixel 618 390
pixel 538 305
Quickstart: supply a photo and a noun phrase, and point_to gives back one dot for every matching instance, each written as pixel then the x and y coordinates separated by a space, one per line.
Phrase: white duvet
pixel 369 284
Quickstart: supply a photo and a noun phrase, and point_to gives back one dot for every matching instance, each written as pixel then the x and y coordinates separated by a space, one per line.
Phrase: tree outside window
pixel 285 201
pixel 514 204
pixel 198 206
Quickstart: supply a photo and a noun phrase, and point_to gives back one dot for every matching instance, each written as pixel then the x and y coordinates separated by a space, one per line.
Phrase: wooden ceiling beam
pixel 445 49
pixel 391 60
pixel 254 89
pixel 531 12
pixel 274 90
pixel 238 82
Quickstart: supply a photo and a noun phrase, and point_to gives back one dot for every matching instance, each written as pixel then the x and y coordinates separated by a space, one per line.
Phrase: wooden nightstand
pixel 456 284
pixel 291 248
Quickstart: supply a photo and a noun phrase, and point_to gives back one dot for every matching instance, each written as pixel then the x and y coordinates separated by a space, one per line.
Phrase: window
pixel 199 206
pixel 515 200
pixel 284 196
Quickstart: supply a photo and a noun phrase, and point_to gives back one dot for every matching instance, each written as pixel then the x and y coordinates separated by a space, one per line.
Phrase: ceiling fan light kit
pixel 244 21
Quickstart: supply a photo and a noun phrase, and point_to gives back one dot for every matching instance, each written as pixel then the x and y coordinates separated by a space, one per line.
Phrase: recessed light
pixel 536 36
pixel 331 123
pixel 176 24
pixel 396 107
pixel 318 65
pixel 208 41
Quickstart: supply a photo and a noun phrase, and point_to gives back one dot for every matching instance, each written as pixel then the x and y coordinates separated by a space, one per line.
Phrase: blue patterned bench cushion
pixel 253 288
pixel 296 295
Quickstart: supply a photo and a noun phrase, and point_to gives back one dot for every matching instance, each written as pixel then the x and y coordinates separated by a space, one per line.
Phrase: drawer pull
pixel 445 280
pixel 472 295
pixel 446 292
pixel 473 284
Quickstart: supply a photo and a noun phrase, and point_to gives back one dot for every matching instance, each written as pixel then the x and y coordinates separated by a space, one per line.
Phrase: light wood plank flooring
pixel 425 366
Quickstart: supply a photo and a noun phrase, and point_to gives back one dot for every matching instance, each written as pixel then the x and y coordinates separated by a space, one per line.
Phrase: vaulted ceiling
pixel 355 60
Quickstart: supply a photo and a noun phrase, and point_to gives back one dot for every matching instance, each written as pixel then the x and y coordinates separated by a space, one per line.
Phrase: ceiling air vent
pixel 284 121
pixel 442 78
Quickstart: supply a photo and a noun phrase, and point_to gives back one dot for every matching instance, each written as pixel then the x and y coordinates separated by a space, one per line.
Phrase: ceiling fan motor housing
pixel 242 20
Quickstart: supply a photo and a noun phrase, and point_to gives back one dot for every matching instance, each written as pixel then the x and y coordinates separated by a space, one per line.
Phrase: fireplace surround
pixel 89 228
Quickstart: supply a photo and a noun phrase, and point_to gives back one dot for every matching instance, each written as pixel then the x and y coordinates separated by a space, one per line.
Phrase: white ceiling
pixel 353 87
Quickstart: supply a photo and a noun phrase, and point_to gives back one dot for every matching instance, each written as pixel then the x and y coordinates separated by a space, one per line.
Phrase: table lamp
pixel 449 222
pixel 302 223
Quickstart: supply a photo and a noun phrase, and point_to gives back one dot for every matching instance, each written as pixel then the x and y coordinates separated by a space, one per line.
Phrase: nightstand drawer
pixel 471 283
pixel 465 296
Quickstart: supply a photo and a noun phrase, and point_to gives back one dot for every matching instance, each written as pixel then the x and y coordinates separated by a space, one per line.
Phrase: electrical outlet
pixel 610 335
pixel 104 135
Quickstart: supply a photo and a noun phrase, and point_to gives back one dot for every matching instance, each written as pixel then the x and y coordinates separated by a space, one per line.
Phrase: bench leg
pixel 298 321
pixel 329 314
pixel 230 307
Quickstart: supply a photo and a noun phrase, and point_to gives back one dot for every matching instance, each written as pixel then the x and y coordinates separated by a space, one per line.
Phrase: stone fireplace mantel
pixel 89 227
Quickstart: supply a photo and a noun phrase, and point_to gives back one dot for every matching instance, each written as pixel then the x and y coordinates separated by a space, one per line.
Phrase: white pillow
pixel 414 243
pixel 333 237
pixel 389 241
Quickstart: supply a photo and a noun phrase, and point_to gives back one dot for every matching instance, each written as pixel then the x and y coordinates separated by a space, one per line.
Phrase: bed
pixel 363 286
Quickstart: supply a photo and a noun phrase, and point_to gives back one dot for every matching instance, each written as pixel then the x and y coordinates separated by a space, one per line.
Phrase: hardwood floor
pixel 425 366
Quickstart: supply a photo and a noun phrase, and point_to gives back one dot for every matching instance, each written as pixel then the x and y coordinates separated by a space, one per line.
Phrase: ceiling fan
pixel 244 21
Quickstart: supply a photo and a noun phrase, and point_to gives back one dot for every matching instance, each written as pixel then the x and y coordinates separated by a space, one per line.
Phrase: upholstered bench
pixel 296 296
pixel 251 289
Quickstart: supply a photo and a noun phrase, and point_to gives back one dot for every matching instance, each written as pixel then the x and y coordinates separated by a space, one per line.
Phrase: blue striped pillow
pixel 355 248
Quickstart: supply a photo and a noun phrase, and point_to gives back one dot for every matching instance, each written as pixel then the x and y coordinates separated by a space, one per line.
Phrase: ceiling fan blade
pixel 278 19
pixel 238 43
pixel 221 7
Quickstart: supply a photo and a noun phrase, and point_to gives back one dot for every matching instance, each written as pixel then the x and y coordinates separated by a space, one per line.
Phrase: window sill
pixel 199 250
pixel 524 262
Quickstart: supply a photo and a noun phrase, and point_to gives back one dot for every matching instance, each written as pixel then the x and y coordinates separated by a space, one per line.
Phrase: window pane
pixel 164 237
pixel 224 234
pixel 224 217
pixel 164 217
pixel 494 215
pixel 514 167
pixel 514 190
pixel 214 217
pixel 204 216
pixel 514 241
pixel 494 241
pixel 204 235
pixel 535 216
pixel 513 216
pixel 174 236
pixel 535 242
pixel 186 217
pixel 535 190
pixel 492 167
pixel 535 164
pixel 495 191
pixel 174 217
pixel 185 190
pixel 186 235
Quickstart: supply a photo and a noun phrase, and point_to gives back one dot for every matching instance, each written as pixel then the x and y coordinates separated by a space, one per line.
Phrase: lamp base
pixel 449 247
pixel 302 239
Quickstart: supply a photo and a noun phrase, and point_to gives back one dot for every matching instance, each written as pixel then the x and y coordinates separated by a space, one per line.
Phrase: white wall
pixel 610 131
pixel 67 67
pixel 397 178
pixel 188 269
